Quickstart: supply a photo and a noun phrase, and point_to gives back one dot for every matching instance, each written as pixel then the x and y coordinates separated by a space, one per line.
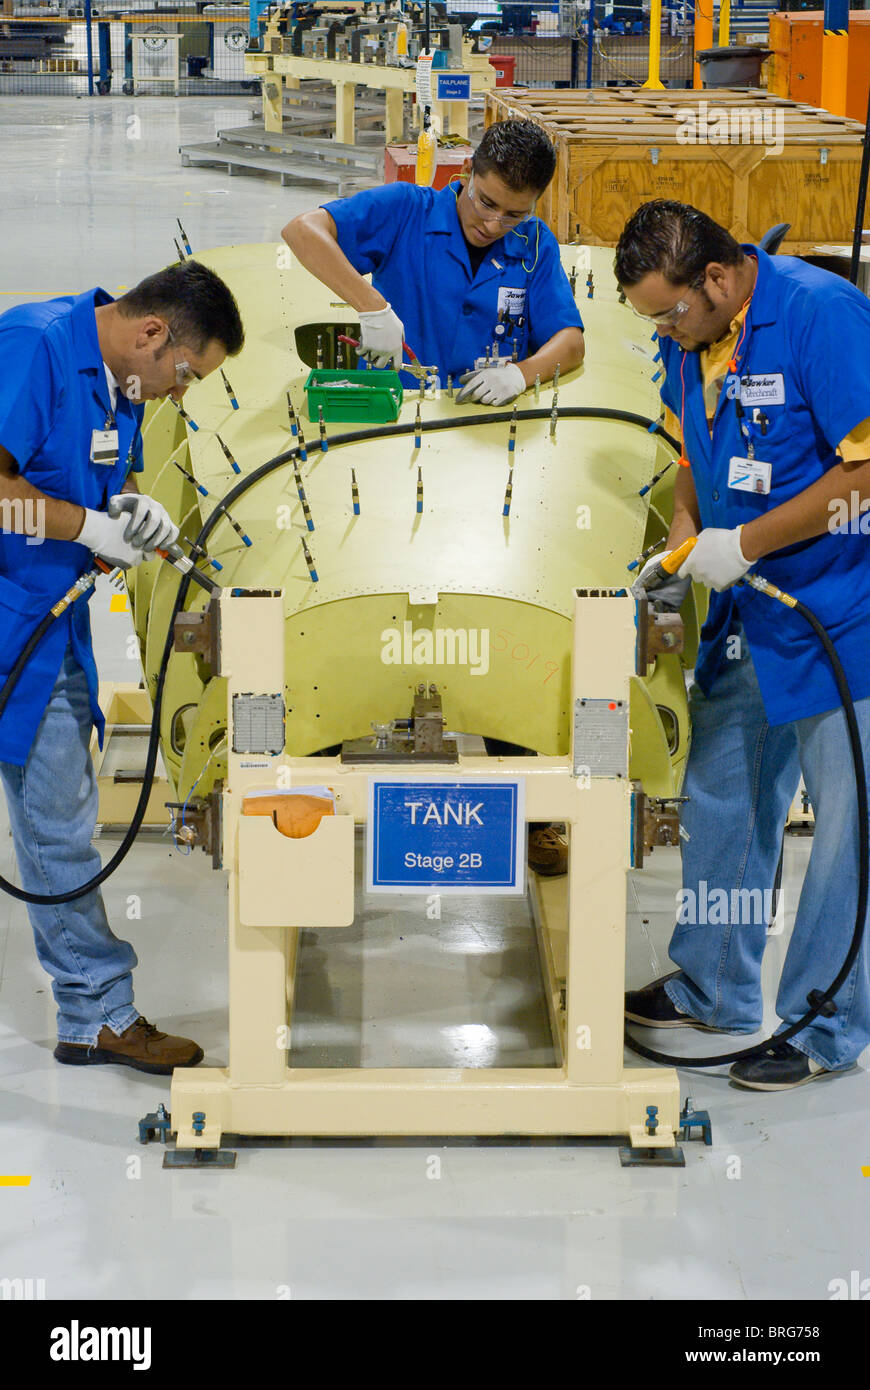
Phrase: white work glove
pixel 149 526
pixel 104 535
pixel 716 559
pixel 668 597
pixel 381 333
pixel 492 385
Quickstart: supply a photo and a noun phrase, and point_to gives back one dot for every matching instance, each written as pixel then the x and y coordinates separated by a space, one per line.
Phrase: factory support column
pixel 345 96
pixel 654 80
pixel 395 115
pixel 273 103
pixel 457 115
pixel 703 36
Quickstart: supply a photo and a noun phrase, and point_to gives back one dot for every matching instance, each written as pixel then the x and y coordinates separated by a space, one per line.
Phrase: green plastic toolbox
pixel 370 397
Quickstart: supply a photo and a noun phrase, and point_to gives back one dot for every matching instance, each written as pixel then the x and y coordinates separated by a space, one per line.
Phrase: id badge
pixel 104 447
pixel 749 475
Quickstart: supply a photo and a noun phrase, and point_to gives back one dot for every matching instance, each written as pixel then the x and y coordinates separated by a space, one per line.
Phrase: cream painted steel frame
pixel 277 69
pixel 590 1093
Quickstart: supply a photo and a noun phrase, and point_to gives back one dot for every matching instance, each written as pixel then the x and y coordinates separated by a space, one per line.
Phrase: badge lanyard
pixel 738 404
pixel 104 442
pixel 683 460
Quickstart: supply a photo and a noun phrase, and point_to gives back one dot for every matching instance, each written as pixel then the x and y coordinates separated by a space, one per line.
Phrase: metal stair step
pixel 297 171
pixel 256 135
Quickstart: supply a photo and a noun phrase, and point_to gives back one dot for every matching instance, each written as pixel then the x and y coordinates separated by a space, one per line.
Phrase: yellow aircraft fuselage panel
pixel 456 594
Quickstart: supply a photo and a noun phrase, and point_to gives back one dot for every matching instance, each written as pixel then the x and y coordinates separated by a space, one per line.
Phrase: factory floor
pixel 775 1209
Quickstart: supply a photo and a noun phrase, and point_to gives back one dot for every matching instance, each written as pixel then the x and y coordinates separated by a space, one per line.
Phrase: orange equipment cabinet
pixel 795 68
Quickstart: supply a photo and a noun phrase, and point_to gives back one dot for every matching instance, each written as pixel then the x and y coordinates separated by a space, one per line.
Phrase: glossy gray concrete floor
pixel 776 1209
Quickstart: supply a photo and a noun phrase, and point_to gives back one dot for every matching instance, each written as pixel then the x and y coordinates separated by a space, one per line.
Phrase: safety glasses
pixel 184 373
pixel 669 318
pixel 490 215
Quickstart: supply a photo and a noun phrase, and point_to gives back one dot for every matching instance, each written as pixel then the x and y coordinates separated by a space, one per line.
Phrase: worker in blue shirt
pixel 470 280
pixel 466 276
pixel 74 372
pixel 767 381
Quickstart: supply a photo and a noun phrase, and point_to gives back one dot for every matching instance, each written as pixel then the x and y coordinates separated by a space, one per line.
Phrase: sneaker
pixel 779 1068
pixel 141 1046
pixel 653 1007
pixel 548 851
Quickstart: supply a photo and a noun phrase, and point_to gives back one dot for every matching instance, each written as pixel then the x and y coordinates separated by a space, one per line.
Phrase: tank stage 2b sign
pixel 446 837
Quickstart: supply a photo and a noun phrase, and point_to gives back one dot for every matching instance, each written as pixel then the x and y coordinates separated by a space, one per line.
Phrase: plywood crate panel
pixel 616 149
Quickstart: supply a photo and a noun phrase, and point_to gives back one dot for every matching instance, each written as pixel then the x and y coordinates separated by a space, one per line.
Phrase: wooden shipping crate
pixel 617 148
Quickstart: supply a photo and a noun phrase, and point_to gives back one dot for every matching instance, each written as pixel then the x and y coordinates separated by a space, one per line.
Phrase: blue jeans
pixel 52 803
pixel 741 777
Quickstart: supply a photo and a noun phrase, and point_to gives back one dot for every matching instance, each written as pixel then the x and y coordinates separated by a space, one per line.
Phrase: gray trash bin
pixel 732 67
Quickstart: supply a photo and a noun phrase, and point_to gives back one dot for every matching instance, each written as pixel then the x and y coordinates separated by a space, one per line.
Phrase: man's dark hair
pixel 519 152
pixel 195 302
pixel 675 239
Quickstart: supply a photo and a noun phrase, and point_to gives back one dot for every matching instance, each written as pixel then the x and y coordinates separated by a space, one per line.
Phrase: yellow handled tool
pixel 427 153
pixel 668 566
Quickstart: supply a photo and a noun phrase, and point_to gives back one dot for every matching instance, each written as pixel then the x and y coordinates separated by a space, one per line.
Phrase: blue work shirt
pixel 805 362
pixel 53 394
pixel 410 240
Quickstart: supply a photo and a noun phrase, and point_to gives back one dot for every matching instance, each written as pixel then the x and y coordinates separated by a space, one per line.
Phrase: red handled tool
pixel 412 365
pixel 176 557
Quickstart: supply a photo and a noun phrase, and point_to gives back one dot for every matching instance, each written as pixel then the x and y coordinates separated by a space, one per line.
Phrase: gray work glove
pixel 669 596
pixel 492 385
pixel 149 526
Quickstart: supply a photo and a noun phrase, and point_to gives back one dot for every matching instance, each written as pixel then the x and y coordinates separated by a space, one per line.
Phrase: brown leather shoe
pixel 141 1046
pixel 548 851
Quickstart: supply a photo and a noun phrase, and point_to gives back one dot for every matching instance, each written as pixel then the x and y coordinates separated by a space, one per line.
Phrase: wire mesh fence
pixel 190 47
pixel 189 50
pixel 575 45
